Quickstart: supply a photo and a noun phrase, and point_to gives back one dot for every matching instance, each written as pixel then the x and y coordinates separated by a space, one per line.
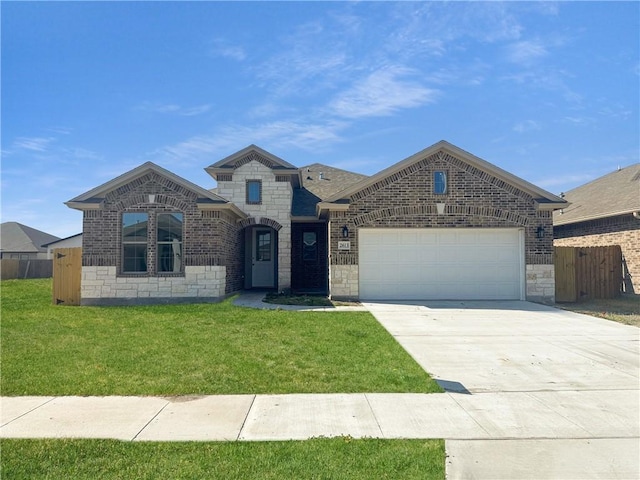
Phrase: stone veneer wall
pixel 623 230
pixel 210 242
pixel 541 283
pixel 101 285
pixel 474 199
pixel 277 195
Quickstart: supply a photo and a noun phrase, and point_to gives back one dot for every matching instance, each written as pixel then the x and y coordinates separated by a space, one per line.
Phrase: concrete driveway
pixel 558 392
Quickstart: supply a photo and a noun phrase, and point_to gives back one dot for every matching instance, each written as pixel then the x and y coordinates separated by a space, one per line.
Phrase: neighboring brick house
pixel 442 224
pixel 605 212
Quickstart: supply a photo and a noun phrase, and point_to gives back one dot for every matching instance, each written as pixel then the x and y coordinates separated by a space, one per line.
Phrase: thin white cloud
pixel 526 52
pixel 35 144
pixel 434 28
pixel 60 130
pixel 578 120
pixel 382 93
pixel 172 108
pixel 550 79
pixel 81 153
pixel 526 126
pixel 295 133
pixel 222 48
pixel 572 179
pixel 615 111
pixel 290 73
pixel 197 110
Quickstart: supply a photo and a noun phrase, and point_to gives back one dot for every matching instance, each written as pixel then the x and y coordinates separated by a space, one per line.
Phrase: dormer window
pixel 254 192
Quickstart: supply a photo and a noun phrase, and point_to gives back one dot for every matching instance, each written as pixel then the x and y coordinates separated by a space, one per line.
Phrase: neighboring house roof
pixel 15 237
pixel 318 183
pixel 544 199
pixel 61 240
pixel 616 193
pixel 93 198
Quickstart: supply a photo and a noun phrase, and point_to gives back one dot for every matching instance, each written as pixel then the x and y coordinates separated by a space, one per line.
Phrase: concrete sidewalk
pixel 541 435
pixel 602 414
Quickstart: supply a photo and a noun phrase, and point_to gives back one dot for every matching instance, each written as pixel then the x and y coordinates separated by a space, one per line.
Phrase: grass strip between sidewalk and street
pixel 193 349
pixel 335 458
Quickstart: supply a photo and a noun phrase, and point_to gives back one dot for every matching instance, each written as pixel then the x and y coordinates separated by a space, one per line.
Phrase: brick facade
pixel 474 199
pixel 216 253
pixel 623 230
pixel 210 239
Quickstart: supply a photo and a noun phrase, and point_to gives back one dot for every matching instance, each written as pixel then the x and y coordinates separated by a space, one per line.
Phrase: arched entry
pixel 261 252
pixel 261 257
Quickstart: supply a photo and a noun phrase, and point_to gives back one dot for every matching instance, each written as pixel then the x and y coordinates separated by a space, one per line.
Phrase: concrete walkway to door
pixel 558 392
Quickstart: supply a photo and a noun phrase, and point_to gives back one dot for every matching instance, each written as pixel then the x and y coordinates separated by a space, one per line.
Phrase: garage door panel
pixel 440 263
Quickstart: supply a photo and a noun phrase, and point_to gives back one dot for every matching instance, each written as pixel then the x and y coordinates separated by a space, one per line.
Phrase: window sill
pixel 149 274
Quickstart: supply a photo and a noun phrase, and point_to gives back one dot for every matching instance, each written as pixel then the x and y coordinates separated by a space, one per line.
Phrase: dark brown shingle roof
pixel 324 181
pixel 614 194
pixel 320 182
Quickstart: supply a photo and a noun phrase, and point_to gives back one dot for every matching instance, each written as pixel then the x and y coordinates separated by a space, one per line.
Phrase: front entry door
pixel 262 258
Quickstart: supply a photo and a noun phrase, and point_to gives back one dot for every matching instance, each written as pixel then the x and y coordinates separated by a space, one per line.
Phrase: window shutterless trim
pixel 176 243
pixel 247 188
pixel 440 182
pixel 139 242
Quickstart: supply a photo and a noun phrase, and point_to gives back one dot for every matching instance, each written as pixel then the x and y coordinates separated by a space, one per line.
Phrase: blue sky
pixel 547 91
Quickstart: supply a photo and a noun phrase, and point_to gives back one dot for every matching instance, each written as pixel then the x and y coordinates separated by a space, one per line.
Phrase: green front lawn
pixel 337 458
pixel 193 349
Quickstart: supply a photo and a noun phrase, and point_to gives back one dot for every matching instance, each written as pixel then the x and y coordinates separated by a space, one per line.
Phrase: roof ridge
pixel 602 177
pixel 334 168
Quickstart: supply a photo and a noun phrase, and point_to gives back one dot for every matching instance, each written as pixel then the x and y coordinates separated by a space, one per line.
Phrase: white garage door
pixel 441 264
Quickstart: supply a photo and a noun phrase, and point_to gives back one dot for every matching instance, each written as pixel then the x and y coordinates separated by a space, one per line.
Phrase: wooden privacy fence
pixel 13 268
pixel 587 272
pixel 67 275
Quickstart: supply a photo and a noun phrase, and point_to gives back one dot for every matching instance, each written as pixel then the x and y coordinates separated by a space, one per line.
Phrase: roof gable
pixel 21 238
pixel 544 199
pixel 92 198
pixel 252 153
pixel 616 193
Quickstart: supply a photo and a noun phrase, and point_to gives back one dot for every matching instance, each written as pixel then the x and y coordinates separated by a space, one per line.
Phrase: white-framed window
pixel 254 192
pixel 134 242
pixel 169 242
pixel 138 238
pixel 440 182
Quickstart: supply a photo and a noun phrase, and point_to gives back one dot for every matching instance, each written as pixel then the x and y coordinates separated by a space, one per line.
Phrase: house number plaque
pixel 344 245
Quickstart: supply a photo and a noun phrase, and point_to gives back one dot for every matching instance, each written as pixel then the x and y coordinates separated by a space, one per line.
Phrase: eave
pixel 550 206
pixel 323 208
pixel 557 221
pixel 228 207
